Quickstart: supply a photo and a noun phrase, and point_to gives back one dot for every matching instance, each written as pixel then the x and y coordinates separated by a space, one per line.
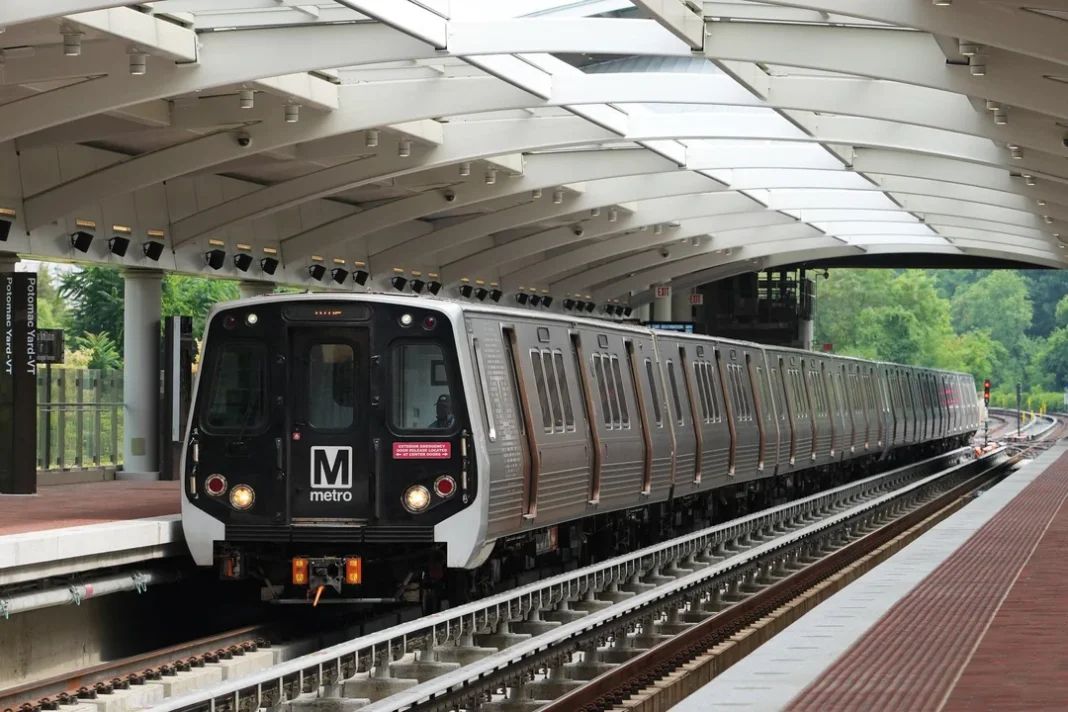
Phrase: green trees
pixel 89 305
pixel 1009 326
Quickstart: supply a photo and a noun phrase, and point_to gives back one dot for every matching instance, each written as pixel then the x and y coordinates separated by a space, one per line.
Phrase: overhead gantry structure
pixel 591 147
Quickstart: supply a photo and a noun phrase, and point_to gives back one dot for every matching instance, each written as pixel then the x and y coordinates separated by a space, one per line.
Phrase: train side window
pixel 699 376
pixel 421 397
pixel 331 386
pixel 237 389
pixel 543 394
pixel 652 391
pixel 565 389
pixel 553 382
pixel 598 371
pixel 674 391
pixel 713 403
pixel 487 400
pixel 621 394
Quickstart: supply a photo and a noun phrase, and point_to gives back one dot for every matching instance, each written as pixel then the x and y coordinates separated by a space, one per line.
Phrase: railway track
pixel 374 665
pixel 402 657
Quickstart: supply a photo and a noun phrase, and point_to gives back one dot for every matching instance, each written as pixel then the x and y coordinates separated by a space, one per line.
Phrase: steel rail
pixel 630 677
pixel 336 663
pixel 442 690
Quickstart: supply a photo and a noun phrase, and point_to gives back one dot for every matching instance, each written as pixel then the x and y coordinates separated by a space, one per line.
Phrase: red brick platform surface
pixel 61 506
pixel 987 630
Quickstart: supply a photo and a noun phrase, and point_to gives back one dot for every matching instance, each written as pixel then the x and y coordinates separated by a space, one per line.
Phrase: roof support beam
pixel 677 18
pixel 648 212
pixel 18 11
pixel 367 231
pixel 917 59
pixel 462 142
pixel 577 258
pixel 1008 28
pixel 446 245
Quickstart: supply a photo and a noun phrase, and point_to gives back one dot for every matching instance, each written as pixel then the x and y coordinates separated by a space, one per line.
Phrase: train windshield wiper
pixel 255 401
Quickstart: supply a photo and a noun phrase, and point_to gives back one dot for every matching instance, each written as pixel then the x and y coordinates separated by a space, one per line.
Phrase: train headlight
pixel 406 320
pixel 242 497
pixel 416 499
pixel 251 319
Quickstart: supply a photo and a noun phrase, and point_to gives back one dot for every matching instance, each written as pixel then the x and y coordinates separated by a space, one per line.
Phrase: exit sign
pixel 662 291
pixel 697 299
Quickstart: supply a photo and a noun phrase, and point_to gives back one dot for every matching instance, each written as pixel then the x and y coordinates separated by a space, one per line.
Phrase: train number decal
pixel 331 474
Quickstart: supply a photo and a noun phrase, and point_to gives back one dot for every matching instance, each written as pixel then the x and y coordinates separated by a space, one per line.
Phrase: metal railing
pixel 79 418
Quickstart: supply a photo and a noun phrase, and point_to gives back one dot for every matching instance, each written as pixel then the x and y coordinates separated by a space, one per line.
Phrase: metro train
pixel 393 447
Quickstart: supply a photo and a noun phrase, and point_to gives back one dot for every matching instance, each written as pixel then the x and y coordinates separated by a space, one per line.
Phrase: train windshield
pixel 422 398
pixel 237 387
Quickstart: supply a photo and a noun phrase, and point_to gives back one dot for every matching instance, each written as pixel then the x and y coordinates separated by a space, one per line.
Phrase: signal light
pixel 986 392
pixel 354 570
pixel 300 571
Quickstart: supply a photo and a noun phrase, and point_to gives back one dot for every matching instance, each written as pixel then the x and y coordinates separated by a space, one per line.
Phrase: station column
pixel 662 308
pixel 141 394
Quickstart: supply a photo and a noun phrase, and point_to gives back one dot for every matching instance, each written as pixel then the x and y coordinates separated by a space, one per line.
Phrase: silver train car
pixel 372 446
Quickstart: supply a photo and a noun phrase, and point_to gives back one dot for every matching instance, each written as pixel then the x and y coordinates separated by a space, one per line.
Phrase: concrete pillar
pixel 255 289
pixel 643 311
pixel 141 334
pixel 805 333
pixel 680 305
pixel 662 308
pixel 8 260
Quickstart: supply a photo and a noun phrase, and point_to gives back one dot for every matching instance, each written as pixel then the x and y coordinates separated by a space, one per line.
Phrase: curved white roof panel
pixel 554 144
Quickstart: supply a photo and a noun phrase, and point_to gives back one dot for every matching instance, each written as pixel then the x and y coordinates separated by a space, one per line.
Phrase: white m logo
pixel 331 468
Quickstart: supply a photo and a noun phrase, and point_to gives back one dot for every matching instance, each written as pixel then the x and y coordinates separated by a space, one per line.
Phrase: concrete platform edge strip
pixel 769 678
pixel 52 552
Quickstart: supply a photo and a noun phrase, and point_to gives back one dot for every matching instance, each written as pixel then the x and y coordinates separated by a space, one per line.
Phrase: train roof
pixel 456 309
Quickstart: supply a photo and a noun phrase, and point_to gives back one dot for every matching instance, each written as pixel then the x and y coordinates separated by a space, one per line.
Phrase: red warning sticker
pixel 422 451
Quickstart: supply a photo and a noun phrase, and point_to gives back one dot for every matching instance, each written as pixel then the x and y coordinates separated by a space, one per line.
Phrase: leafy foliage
pixel 1006 325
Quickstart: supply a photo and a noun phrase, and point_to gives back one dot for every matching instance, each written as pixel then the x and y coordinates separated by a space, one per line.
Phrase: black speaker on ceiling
pixel 417 285
pixel 590 306
pixel 360 276
pixel 433 286
pixel 215 258
pixel 546 301
pixel 339 275
pixel 118 245
pixel 268 265
pixel 398 283
pixel 465 290
pixel 535 300
pixel 627 311
pixel 481 293
pixel 243 260
pixel 496 294
pixel 152 250
pixel 569 304
pixel 81 240
pixel 317 272
pixel 521 297
pixel 5 230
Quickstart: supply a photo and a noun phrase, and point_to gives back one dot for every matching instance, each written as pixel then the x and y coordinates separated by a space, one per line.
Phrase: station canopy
pixel 596 147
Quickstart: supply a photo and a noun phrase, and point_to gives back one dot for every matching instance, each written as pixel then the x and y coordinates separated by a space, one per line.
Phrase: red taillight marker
pixel 444 486
pixel 216 485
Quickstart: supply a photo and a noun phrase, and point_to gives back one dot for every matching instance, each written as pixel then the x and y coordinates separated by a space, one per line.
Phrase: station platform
pixel 66 529
pixel 969 617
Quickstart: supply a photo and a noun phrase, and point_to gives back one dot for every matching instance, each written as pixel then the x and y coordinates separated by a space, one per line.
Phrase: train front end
pixel 328 442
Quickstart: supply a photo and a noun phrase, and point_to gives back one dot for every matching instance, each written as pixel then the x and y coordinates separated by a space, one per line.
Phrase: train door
pixel 329 449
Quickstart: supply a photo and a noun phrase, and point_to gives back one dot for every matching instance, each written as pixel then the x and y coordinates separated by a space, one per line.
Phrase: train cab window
pixel 613 392
pixel 565 389
pixel 652 391
pixel 421 397
pixel 331 386
pixel 699 377
pixel 543 392
pixel 240 378
pixel 553 382
pixel 674 392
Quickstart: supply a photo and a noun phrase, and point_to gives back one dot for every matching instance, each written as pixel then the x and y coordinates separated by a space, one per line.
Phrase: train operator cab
pixel 327 438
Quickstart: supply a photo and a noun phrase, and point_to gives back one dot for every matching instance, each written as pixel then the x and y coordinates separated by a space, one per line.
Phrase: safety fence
pixel 79 418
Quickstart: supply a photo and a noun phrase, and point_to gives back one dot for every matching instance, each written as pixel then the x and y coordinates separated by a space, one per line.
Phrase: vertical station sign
pixel 18 383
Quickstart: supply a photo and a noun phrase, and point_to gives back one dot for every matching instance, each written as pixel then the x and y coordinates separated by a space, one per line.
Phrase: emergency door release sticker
pixel 422 451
